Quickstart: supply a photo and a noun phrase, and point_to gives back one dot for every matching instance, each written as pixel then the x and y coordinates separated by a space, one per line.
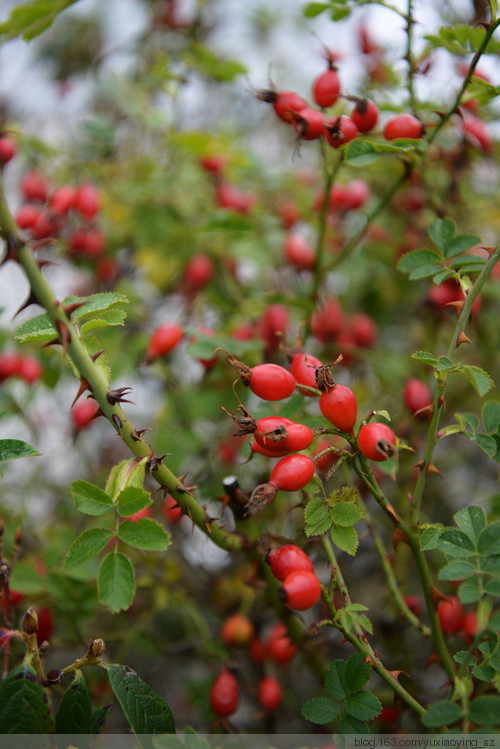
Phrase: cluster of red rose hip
pixel 300 589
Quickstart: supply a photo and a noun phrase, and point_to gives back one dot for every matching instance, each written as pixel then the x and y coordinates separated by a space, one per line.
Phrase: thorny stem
pixel 362 645
pixel 410 22
pixel 99 387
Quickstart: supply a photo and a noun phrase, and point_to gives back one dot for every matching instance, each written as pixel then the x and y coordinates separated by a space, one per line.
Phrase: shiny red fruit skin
pixel 303 368
pixel 451 615
pixel 82 413
pixel 224 694
pixel 286 559
pixel 308 124
pixel 164 339
pixel 8 149
pixel 368 437
pixel 416 395
pixel 144 513
pixel 87 201
pixel 403 126
pixel 339 406
pixel 287 102
pixel 237 631
pixel 171 510
pixel 269 693
pixel 469 624
pixel 298 252
pixel 271 382
pixel 326 88
pixel 255 447
pixel 292 473
pixel 345 131
pixel 300 590
pixel 279 645
pixel 299 437
pixel 272 443
pixel 365 115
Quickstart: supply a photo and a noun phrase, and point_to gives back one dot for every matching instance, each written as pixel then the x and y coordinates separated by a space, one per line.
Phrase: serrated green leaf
pixel 478 378
pixel 491 416
pixel 357 673
pixel 471 520
pixel 144 709
pixel 88 545
pixel 442 714
pixel 74 714
pixel 116 582
pixel 37 329
pixel 441 231
pixel 24 707
pixel 455 543
pixel 364 152
pixel 460 243
pixel 312 10
pixel 415 259
pixel 346 513
pixel 425 271
pixel 430 538
pixel 95 305
pixel 488 542
pixel 470 591
pixel 426 357
pixel 345 538
pixel 110 318
pixel 99 718
pixel 489 564
pixel 348 724
pixel 317 517
pixel 444 363
pixel 443 275
pixel 144 533
pixel 362 705
pixel 469 422
pixel 460 39
pixel 90 499
pixel 485 710
pixel 14 449
pixel 125 474
pixel 458 570
pixel 320 710
pixel 487 443
pixel 335 680
pixel 131 500
pixel 467 264
pixel 32 19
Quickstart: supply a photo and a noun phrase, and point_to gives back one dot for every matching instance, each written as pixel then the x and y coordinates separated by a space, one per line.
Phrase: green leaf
pixel 455 543
pixel 32 19
pixel 116 582
pixel 74 714
pixel 461 243
pixel 493 588
pixel 483 672
pixel 23 702
pixel 363 152
pixel 489 564
pixel 346 513
pixel 90 499
pixel 109 318
pixel 478 378
pixel 487 444
pixel 95 305
pixel 485 710
pixel 86 546
pixel 335 680
pixel 467 264
pixel 37 329
pixel 127 473
pixel 345 538
pixel 465 658
pixel 460 39
pixel 430 538
pixel 14 449
pixel 444 363
pixel 348 724
pixel 99 718
pixel 441 231
pixel 357 673
pixel 317 517
pixel 458 570
pixel 471 520
pixel 132 500
pixel 425 271
pixel 415 259
pixel 25 579
pixel 320 710
pixel 362 705
pixel 470 591
pixel 442 714
pixel 469 424
pixel 491 416
pixel 144 709
pixel 312 10
pixel 144 533
pixel 426 357
pixel 489 540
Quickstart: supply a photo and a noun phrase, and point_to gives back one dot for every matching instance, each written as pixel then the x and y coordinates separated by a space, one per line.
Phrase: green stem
pixel 410 22
pixel 329 176
pixel 95 378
